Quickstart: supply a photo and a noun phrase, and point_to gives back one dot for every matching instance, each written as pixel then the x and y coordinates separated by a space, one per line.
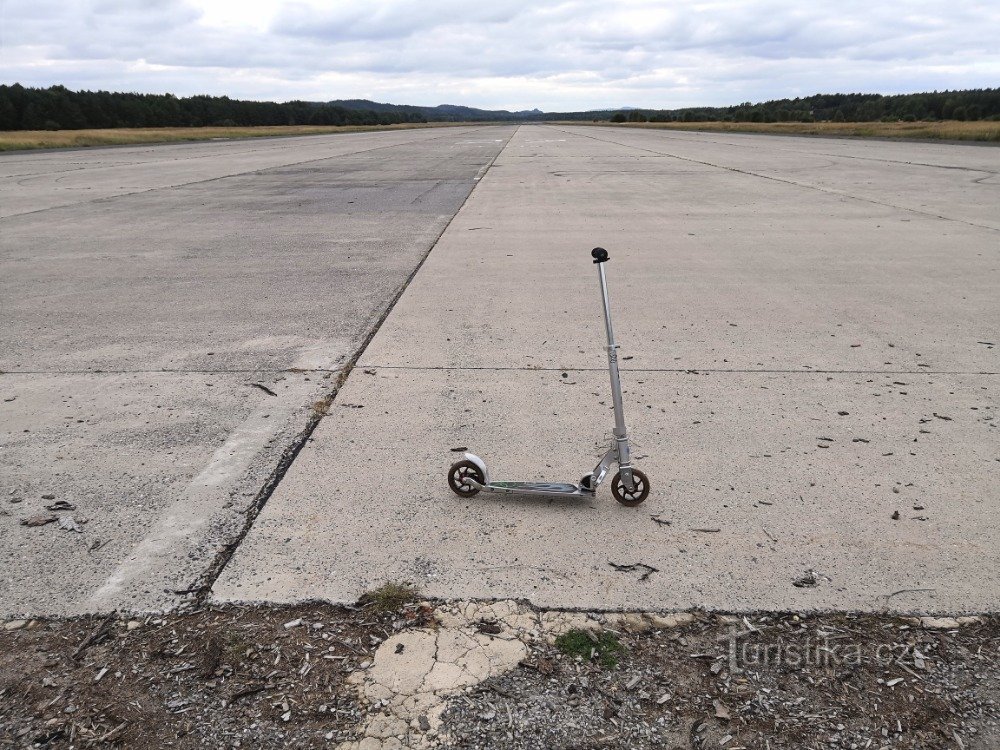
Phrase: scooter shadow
pixel 570 502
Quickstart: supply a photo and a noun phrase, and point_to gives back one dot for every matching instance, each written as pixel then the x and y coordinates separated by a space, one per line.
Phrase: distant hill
pixel 441 112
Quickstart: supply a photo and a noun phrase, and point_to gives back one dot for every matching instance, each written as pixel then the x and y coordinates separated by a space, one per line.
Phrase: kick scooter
pixel 630 486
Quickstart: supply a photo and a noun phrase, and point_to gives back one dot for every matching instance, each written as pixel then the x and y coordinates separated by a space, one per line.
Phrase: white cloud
pixel 577 54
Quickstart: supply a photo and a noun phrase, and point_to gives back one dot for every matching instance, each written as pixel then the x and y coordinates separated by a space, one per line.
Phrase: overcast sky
pixel 508 54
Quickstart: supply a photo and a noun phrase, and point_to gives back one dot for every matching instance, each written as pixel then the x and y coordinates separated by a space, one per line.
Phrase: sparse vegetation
pixel 951 130
pixel 322 407
pixel 391 596
pixel 30 139
pixel 603 646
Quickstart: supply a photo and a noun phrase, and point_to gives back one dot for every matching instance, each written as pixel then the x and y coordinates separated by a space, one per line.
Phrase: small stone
pixel 424 723
pixel 939 623
pixel 14 624
pixel 721 712
pixel 293 623
pixel 670 620
pixel 48 496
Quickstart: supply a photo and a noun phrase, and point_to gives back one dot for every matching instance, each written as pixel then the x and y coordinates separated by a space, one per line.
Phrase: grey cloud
pixel 563 55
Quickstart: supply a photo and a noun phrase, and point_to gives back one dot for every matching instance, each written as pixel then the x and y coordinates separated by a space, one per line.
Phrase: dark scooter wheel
pixel 641 483
pixel 464 470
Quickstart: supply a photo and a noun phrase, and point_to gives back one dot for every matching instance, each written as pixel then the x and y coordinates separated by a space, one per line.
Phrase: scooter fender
pixel 480 465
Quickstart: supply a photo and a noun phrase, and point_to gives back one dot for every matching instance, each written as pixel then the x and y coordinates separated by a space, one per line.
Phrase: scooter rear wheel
pixel 639 481
pixel 460 471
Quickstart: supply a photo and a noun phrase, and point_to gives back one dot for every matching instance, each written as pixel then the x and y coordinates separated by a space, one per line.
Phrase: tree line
pixel 970 104
pixel 58 108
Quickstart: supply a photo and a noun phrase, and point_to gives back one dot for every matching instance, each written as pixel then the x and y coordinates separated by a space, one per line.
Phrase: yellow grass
pixel 948 130
pixel 15 140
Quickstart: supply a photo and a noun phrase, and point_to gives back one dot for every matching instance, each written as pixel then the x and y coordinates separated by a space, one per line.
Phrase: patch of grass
pixel 322 407
pixel 17 140
pixel 235 644
pixel 391 596
pixel 342 376
pixel 945 130
pixel 603 646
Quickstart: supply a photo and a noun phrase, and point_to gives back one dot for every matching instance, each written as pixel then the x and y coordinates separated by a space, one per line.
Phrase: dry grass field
pixel 17 140
pixel 950 130
pixel 946 130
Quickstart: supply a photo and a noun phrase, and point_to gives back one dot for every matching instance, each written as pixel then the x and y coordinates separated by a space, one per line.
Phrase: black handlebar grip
pixel 599 254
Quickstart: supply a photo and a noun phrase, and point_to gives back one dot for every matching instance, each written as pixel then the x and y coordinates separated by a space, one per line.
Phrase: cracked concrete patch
pixel 414 673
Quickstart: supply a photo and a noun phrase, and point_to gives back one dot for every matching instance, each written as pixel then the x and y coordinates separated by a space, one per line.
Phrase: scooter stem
pixel 600 256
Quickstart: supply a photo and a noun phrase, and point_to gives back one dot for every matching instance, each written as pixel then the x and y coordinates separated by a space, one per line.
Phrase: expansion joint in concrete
pixel 203 589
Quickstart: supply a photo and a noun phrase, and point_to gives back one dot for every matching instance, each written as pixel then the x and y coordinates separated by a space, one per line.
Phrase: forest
pixel 58 108
pixel 970 104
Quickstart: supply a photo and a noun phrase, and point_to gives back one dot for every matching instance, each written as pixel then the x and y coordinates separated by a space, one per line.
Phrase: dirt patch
pixel 314 676
pixel 768 682
pixel 215 678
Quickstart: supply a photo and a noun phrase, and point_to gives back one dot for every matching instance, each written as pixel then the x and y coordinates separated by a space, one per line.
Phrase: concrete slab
pixel 964 177
pixel 156 468
pixel 238 273
pixel 758 475
pixel 158 318
pixel 32 181
pixel 756 311
pixel 712 269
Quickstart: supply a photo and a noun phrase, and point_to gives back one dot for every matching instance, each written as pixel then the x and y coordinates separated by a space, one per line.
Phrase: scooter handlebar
pixel 599 254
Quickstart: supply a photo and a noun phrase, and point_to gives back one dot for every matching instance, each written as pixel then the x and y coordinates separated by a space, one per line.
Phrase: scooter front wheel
pixel 461 471
pixel 640 483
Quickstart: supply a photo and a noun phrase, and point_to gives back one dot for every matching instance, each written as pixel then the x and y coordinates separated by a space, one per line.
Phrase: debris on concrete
pixel 68 523
pixel 262 387
pixel 40 519
pixel 807 580
pixel 647 570
pixel 60 505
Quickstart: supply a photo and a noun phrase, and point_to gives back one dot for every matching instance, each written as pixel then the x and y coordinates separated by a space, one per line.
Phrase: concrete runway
pixel 149 296
pixel 812 332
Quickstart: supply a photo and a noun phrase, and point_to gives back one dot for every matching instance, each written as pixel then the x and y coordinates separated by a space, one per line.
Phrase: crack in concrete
pixel 688 370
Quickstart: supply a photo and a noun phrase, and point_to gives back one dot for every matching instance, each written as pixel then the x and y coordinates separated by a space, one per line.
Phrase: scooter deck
pixel 550 489
pixel 554 487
